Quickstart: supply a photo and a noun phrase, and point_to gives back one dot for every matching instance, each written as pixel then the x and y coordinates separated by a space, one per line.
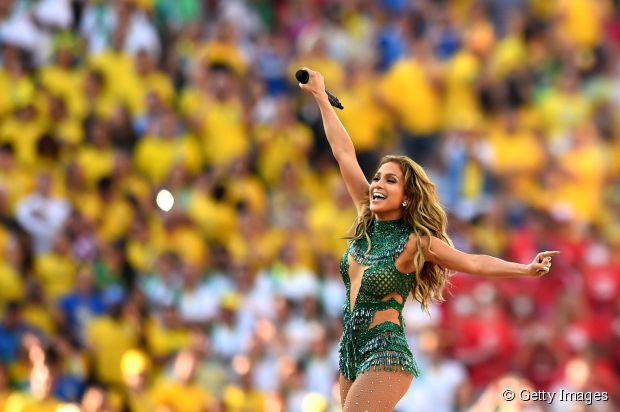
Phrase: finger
pixel 550 253
pixel 310 71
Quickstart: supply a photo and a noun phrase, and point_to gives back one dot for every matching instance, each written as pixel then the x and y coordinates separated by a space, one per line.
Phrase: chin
pixel 382 209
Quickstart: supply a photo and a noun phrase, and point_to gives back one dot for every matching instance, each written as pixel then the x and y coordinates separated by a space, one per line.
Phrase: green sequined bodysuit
pixel 384 346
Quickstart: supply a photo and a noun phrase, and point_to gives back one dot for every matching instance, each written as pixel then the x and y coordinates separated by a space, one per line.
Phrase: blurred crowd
pixel 232 300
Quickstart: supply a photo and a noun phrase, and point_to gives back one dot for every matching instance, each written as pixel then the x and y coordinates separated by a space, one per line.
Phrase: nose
pixel 376 185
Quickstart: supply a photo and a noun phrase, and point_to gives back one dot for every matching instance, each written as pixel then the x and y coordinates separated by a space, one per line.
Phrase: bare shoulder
pixel 429 244
pixel 412 244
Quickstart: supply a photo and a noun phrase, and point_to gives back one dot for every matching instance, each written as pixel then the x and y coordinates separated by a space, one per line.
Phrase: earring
pixel 404 204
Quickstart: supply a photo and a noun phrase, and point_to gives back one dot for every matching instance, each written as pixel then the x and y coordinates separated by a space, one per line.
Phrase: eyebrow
pixel 388 174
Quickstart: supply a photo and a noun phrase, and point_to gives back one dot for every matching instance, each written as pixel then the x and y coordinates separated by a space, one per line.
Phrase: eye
pixel 375 178
pixel 392 180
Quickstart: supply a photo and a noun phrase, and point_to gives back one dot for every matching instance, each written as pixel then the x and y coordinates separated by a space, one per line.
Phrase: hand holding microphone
pixel 316 86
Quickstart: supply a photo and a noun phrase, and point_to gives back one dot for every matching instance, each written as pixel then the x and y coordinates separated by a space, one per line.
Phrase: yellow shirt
pixel 95 163
pixel 64 83
pixel 248 189
pixel 20 402
pixel 215 219
pixel 11 283
pixel 18 92
pixel 142 255
pixel 118 69
pixel 509 54
pixel 5 101
pixel 141 86
pixel 363 118
pixel 410 93
pixel 581 21
pixel 329 225
pixel 223 133
pixel 40 317
pixel 18 182
pixel 258 251
pixel 517 156
pixel 583 192
pixel 87 202
pixel 194 103
pixel 560 112
pixel 516 152
pixel 461 106
pixel 163 341
pixel 109 340
pixel 4 395
pixel 69 131
pixel 56 274
pixel 183 398
pixel 155 157
pixel 279 147
pixel 24 136
pixel 223 53
pixel 140 402
pixel 115 218
pixel 189 244
pixel 103 106
pixel 237 400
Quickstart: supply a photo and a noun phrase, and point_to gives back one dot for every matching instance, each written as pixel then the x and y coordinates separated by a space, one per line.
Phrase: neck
pixel 387 225
pixel 387 217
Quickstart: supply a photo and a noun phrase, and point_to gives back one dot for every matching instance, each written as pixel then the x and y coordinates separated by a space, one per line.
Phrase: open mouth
pixel 378 196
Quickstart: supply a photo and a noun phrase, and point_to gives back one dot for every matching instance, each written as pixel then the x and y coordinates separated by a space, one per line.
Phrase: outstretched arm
pixel 448 257
pixel 339 141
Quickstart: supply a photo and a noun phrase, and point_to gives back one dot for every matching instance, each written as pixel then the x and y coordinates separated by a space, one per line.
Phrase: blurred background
pixel 231 301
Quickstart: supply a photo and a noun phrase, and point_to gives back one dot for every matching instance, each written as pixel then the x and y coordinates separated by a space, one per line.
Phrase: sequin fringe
pixel 391 362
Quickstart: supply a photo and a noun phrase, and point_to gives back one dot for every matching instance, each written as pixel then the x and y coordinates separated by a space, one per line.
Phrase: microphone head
pixel 302 76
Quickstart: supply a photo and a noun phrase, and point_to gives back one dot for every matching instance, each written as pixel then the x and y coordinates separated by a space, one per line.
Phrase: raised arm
pixel 448 257
pixel 339 141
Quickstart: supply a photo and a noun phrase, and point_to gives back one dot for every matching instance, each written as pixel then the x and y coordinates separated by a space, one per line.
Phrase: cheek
pixel 398 193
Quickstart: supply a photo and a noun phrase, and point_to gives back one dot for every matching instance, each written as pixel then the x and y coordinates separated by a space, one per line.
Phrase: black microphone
pixel 303 76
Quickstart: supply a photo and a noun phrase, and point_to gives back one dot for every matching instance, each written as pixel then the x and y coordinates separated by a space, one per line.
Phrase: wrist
pixel 321 96
pixel 525 270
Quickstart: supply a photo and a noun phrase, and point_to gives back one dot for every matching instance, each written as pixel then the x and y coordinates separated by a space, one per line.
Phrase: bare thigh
pixel 345 385
pixel 376 391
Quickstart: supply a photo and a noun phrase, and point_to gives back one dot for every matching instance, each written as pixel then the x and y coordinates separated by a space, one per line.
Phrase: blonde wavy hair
pixel 425 215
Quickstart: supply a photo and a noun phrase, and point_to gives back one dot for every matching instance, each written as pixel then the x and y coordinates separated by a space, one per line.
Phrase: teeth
pixel 378 195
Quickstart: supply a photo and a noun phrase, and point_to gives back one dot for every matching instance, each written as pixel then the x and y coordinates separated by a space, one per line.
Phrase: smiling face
pixel 387 192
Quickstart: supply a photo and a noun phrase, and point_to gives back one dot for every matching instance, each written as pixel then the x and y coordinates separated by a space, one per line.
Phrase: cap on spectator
pixel 66 40
pixel 230 301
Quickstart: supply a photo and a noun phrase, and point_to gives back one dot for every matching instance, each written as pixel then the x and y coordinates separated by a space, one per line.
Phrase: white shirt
pixel 198 305
pixel 43 218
